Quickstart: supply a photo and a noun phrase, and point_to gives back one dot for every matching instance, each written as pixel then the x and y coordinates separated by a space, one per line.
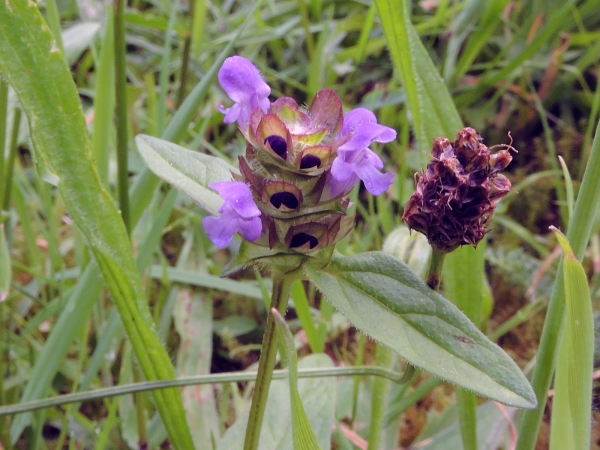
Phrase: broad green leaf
pixel 5 266
pixel 190 172
pixel 432 109
pixel 41 79
pixel 302 434
pixel 383 298
pixel 571 410
pixel 318 396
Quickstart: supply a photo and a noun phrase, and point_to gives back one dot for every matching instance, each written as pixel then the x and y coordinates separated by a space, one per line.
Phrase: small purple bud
pixel 242 82
pixel 238 214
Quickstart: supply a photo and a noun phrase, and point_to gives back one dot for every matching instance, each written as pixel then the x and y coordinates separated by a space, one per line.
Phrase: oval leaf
pixel 190 172
pixel 383 298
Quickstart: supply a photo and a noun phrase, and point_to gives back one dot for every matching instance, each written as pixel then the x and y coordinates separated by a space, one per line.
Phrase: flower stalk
pixel 282 286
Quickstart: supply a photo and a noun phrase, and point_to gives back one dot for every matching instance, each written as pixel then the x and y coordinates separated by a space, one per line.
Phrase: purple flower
pixel 242 82
pixel 355 160
pixel 238 214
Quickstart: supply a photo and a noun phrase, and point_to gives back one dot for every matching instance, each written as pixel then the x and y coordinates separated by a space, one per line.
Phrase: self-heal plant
pixel 287 199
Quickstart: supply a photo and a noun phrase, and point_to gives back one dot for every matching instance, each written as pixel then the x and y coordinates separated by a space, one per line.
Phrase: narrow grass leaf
pixel 41 79
pixel 104 101
pixel 5 266
pixel 302 434
pixel 383 298
pixel 433 111
pixel 571 417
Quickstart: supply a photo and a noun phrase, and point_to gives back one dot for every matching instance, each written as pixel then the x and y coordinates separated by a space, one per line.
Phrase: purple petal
pixel 337 188
pixel 360 164
pixel 242 82
pixel 236 195
pixel 250 229
pixel 375 181
pixel 221 229
pixel 362 125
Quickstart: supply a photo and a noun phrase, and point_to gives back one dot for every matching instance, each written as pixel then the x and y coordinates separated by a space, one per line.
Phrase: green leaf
pixel 5 266
pixel 431 106
pixel 41 79
pixel 571 411
pixel 383 298
pixel 302 434
pixel 318 396
pixel 190 172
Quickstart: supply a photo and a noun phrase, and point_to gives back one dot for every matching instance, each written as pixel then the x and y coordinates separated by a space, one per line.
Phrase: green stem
pixel 282 286
pixel 14 137
pixel 379 401
pixel 434 273
pixel 121 111
pixel 3 111
pixel 4 422
pixel 466 401
pixel 185 57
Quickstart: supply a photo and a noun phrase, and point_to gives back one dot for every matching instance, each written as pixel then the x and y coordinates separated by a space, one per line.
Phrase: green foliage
pixel 572 406
pixel 383 298
pixel 40 77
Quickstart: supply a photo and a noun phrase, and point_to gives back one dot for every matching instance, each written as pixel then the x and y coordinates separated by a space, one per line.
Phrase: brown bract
pixel 457 194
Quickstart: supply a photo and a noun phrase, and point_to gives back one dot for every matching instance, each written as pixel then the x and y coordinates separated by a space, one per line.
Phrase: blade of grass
pixel 104 101
pixel 578 234
pixel 571 410
pixel 120 65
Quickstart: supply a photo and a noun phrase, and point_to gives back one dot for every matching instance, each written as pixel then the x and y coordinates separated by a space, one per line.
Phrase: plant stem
pixel 282 285
pixel 466 400
pixel 121 111
pixel 14 137
pixel 379 402
pixel 3 114
pixel 434 273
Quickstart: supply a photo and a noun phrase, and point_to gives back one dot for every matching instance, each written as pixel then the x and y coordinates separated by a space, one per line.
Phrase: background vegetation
pixel 528 68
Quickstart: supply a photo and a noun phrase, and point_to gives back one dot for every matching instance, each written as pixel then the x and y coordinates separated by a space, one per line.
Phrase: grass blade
pixel 571 411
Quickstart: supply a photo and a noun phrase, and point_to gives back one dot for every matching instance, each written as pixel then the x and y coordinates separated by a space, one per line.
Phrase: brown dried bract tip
pixel 457 194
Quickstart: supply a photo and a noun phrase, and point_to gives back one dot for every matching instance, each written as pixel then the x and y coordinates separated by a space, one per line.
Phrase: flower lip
pixel 237 214
pixel 242 82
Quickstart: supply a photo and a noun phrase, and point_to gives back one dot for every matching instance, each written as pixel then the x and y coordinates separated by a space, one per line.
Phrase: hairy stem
pixel 434 273
pixel 282 285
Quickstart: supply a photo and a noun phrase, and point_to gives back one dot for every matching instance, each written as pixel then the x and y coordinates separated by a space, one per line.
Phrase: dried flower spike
pixel 457 194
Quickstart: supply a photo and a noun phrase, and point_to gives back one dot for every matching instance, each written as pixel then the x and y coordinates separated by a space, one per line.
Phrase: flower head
pixel 298 166
pixel 457 194
pixel 242 82
pixel 238 214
